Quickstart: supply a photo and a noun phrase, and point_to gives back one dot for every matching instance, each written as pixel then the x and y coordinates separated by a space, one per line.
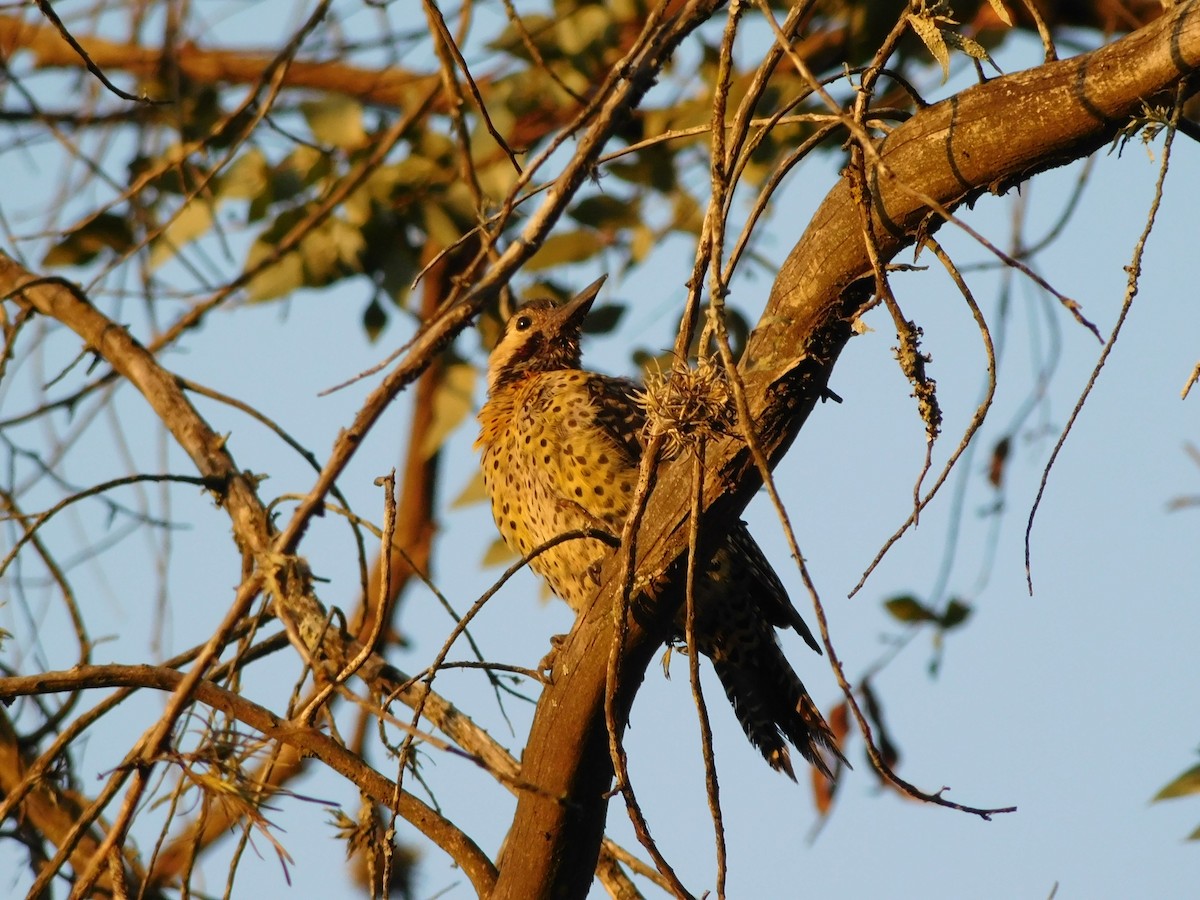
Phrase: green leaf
pixel 452 401
pixel 301 168
pixel 416 172
pixel 497 179
pixel 512 39
pixel 349 242
pixel 440 225
pixel 374 319
pixel 653 167
pixel 907 608
pixel 335 121
pixel 261 205
pixel 167 172
pixel 603 319
pixel 490 327
pixel 739 331
pixel 688 216
pixel 653 363
pixel 604 212
pixel 1194 836
pixel 955 614
pixel 1185 784
pixel 107 231
pixel 387 256
pixel 459 204
pixel 564 248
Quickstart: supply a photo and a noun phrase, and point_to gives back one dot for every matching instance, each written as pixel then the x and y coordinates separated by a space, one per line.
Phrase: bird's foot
pixel 546 665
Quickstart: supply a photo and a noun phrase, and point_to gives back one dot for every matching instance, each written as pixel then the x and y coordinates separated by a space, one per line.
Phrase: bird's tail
pixel 774 708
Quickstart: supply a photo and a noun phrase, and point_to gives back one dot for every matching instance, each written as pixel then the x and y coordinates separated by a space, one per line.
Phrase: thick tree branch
pixel 411 553
pixel 990 137
pixel 394 86
pixel 399 88
pixel 285 576
pixel 52 811
pixel 309 741
pixel 631 79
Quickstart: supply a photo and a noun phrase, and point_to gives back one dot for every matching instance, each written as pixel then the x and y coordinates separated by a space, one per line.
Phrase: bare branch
pixel 952 151
pixel 306 738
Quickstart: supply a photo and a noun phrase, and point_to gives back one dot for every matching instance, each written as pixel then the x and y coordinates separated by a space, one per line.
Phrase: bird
pixel 560 450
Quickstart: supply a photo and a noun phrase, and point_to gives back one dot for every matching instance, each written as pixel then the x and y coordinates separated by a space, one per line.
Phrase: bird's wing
pixel 619 414
pixel 623 418
pixel 771 596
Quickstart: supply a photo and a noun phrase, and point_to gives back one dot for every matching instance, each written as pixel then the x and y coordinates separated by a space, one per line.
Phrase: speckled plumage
pixel 560 452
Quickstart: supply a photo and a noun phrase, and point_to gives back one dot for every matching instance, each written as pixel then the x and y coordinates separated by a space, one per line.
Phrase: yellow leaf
pixel 931 35
pixel 192 221
pixel 1185 784
pixel 245 178
pixel 276 280
pixel 452 402
pixel 644 240
pixel 336 121
pixel 472 492
pixel 1001 13
pixel 563 248
pixel 498 554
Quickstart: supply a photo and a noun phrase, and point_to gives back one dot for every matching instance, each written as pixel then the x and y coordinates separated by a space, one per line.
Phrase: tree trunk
pixel 988 138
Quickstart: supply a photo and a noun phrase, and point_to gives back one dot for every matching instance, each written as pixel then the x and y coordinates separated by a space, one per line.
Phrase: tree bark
pixel 990 137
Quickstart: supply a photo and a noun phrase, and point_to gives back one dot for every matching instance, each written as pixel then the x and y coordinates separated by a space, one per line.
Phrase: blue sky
pixel 1075 705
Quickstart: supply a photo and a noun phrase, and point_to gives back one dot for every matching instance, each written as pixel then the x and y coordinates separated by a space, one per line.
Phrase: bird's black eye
pixel 523 323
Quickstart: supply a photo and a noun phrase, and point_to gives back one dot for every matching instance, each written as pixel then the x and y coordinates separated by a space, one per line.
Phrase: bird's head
pixel 541 336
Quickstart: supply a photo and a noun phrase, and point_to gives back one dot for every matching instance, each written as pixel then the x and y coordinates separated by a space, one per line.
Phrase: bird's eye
pixel 523 323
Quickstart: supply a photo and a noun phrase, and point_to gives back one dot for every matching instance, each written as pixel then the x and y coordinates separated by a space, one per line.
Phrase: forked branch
pixel 990 137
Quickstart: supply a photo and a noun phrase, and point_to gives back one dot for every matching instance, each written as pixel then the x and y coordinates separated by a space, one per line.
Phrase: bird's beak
pixel 576 309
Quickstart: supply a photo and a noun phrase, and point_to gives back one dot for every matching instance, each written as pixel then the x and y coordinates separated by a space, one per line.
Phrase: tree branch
pixel 393 86
pixel 990 137
pixel 285 576
pixel 304 738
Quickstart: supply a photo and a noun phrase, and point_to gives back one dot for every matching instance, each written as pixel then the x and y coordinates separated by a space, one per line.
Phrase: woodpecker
pixel 560 453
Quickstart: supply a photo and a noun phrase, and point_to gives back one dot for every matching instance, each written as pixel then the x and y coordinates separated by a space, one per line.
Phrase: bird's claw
pixel 546 665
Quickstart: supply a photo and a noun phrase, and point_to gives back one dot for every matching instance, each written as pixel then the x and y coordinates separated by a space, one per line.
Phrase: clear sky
pixel 1075 705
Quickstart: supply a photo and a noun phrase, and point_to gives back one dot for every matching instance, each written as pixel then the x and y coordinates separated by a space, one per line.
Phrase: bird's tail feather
pixel 774 709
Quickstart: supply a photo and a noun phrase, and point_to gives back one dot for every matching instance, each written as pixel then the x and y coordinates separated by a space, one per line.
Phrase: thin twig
pixel 694 567
pixel 451 48
pixel 863 141
pixel 973 426
pixel 48 11
pixel 1134 271
pixel 616 652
